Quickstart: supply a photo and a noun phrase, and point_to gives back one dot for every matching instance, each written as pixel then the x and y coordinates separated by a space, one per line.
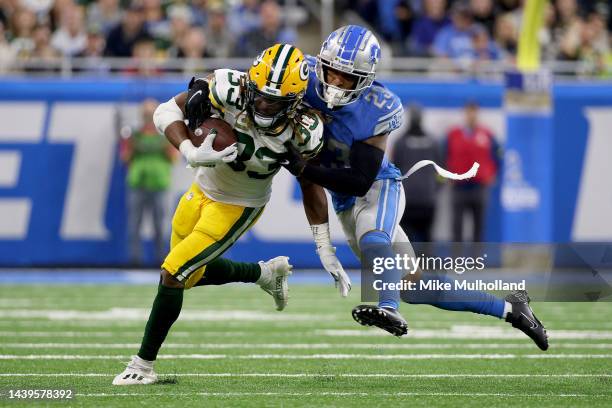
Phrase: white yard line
pixel 304 346
pixel 416 324
pixel 344 394
pixel 457 332
pixel 142 314
pixel 120 333
pixel 470 332
pixel 311 356
pixel 318 375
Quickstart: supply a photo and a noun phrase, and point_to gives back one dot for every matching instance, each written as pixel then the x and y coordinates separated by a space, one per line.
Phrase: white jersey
pixel 248 180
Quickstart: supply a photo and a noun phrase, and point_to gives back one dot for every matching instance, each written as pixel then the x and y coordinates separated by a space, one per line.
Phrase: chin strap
pixel 441 171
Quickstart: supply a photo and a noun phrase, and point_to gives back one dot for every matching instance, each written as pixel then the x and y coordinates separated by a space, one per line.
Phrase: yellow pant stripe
pixel 248 217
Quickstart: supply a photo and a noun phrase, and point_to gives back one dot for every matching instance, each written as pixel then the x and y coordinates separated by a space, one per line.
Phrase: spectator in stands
pixel 197 9
pixel 590 46
pixel 70 38
pixel 180 23
pixel 104 14
pixel 193 47
pixel 270 32
pixel 155 21
pixel 415 145
pixel 43 48
pixel 465 145
pixel 567 12
pixel 483 48
pixel 505 6
pixel 427 26
pixel 40 8
pixel 483 13
pixel 149 159
pixel 23 23
pixel 7 53
pixel 58 10
pixel 601 36
pixel 391 16
pixel 144 60
pixel 366 9
pixel 548 46
pixel 455 41
pixel 506 36
pixel 405 17
pixel 123 36
pixel 193 44
pixel 6 10
pixel 217 32
pixel 93 55
pixel 244 17
pixel 567 27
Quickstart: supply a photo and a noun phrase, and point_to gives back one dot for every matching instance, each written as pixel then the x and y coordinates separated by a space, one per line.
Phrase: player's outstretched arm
pixel 315 206
pixel 365 159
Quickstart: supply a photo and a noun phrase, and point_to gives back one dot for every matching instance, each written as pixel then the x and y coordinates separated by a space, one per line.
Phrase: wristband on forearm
pixel 321 235
pixel 186 147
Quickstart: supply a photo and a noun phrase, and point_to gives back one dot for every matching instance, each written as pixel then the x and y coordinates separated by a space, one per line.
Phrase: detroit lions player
pixel 359 114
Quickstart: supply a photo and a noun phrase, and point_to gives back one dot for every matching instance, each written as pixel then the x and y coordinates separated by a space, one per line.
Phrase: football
pixel 225 133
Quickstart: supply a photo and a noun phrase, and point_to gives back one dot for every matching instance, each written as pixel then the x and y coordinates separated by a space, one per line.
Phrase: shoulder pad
pixel 308 133
pixel 388 111
pixel 225 89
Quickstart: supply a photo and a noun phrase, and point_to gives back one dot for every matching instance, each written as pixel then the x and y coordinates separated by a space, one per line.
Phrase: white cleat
pixel 273 279
pixel 136 373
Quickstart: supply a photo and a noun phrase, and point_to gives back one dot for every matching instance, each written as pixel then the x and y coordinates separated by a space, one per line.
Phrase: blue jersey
pixel 377 111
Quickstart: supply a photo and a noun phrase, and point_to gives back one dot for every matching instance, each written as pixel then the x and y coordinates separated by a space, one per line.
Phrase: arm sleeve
pixel 355 180
pixel 167 113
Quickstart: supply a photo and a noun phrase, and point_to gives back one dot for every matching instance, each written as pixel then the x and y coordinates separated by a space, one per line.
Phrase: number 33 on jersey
pixel 247 181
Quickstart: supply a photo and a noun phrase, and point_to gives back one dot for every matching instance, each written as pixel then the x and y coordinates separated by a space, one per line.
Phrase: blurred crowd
pixel 139 30
pixel 463 32
pixel 472 31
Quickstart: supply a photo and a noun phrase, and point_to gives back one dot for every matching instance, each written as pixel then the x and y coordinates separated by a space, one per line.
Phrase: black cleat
pixel 384 318
pixel 522 318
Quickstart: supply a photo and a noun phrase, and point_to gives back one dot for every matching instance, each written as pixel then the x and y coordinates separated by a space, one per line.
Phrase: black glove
pixel 198 106
pixel 293 160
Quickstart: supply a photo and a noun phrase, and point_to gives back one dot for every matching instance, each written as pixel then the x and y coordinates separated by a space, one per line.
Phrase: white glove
pixel 205 155
pixel 327 254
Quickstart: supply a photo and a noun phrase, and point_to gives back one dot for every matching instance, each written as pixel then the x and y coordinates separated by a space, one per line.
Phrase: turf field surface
pixel 231 348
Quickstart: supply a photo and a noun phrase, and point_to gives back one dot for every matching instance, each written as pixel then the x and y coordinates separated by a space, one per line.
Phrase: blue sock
pixel 376 244
pixel 457 300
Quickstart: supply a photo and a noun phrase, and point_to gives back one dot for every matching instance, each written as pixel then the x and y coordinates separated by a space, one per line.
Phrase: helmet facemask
pixel 351 50
pixel 269 111
pixel 334 95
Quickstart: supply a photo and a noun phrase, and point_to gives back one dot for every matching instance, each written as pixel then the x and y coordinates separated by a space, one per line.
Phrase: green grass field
pixel 231 348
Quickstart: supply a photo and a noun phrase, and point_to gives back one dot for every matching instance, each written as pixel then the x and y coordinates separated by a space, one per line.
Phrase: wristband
pixel 186 147
pixel 321 235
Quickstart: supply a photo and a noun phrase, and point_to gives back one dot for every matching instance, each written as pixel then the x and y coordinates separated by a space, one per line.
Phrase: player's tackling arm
pixel 315 202
pixel 315 206
pixel 365 159
pixel 307 142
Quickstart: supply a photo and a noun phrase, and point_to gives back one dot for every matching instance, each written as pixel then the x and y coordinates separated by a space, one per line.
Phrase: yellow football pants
pixel 202 230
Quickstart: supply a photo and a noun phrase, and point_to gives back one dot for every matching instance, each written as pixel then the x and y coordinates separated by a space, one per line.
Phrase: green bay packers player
pixel 231 186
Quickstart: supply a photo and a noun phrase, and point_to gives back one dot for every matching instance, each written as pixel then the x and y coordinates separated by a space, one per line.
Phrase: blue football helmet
pixel 352 50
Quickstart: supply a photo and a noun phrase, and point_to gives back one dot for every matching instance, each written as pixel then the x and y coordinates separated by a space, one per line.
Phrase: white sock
pixel 264 277
pixel 507 309
pixel 142 363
